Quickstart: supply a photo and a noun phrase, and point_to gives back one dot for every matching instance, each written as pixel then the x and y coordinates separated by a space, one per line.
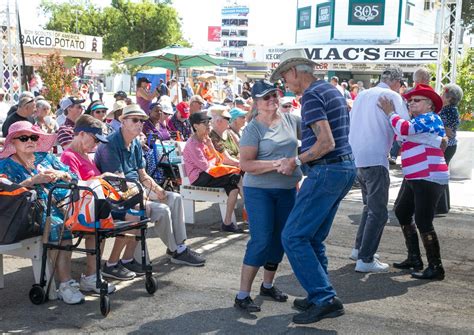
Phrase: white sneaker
pixel 375 266
pixel 88 284
pixel 69 293
pixel 355 254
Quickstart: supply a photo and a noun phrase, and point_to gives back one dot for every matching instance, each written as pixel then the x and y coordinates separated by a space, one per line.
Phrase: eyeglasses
pixel 417 100
pixel 286 106
pixel 25 138
pixel 269 96
pixel 95 138
pixel 136 120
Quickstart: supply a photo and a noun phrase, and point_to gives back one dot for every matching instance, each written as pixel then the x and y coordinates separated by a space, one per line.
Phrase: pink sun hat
pixel 44 144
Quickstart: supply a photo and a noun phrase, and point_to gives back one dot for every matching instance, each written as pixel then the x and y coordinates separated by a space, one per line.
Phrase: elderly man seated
pixel 123 155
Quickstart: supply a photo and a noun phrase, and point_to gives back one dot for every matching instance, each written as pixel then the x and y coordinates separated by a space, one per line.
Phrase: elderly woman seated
pixel 203 166
pixel 157 123
pixel 28 163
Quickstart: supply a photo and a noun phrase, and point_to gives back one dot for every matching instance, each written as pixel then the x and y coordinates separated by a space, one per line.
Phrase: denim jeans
pixel 374 182
pixel 309 224
pixel 395 149
pixel 268 210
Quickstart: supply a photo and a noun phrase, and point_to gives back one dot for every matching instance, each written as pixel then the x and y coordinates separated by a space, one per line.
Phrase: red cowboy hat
pixel 427 92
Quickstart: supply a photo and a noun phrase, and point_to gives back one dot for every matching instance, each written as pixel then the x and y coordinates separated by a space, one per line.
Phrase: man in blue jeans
pixel 330 173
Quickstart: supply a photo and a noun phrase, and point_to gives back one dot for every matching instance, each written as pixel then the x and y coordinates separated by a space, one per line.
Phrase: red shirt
pixel 84 168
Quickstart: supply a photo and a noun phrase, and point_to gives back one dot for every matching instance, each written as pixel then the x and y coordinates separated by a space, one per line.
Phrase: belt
pixel 326 161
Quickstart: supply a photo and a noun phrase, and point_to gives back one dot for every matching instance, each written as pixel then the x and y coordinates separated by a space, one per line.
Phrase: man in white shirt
pixel 175 92
pixel 371 137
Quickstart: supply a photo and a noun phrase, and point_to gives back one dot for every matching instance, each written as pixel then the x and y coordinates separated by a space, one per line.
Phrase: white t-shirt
pixel 173 94
pixel 371 135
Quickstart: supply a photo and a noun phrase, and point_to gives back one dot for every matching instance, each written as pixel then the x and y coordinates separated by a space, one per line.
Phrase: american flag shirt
pixel 421 161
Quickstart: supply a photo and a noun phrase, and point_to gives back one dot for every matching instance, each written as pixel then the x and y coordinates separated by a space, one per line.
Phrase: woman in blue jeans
pixel 269 196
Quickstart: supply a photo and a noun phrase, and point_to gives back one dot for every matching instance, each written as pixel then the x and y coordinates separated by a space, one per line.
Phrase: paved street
pixel 200 300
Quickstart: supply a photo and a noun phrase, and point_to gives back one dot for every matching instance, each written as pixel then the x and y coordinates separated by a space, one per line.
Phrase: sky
pixel 271 22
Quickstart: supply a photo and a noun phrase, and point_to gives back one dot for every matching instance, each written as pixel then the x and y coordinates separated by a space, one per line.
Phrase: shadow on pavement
pixel 354 287
pixel 224 321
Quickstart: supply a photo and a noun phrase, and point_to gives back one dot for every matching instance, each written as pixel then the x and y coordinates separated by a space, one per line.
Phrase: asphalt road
pixel 200 300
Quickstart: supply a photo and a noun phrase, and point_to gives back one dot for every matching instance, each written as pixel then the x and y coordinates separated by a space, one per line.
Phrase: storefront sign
pixel 323 14
pixel 304 18
pixel 241 11
pixel 351 54
pixel 48 39
pixel 366 12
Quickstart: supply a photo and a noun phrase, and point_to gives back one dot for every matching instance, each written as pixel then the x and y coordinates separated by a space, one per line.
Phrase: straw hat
pixel 44 144
pixel 118 105
pixel 133 110
pixel 288 59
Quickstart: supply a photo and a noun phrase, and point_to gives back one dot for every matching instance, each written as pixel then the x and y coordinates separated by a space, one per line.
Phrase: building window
pixel 428 5
pixel 323 14
pixel 409 13
pixel 304 18
pixel 366 12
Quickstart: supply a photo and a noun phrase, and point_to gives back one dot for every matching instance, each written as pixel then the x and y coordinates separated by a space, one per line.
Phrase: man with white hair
pixel 24 112
pixel 328 157
pixel 421 76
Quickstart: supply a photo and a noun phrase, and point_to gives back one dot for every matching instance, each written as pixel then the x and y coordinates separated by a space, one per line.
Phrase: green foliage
pixel 57 77
pixel 466 126
pixel 465 79
pixel 138 26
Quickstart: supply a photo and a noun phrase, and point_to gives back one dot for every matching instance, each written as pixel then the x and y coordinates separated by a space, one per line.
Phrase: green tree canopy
pixel 141 27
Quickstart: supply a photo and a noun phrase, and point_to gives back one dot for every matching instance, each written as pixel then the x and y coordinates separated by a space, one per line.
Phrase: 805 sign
pixel 366 12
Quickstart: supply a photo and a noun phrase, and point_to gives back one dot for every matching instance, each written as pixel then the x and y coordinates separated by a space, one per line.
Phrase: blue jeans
pixel 268 210
pixel 395 149
pixel 309 224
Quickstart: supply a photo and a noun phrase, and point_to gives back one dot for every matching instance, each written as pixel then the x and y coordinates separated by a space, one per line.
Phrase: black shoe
pixel 432 272
pixel 315 313
pixel 134 266
pixel 169 252
pixel 302 304
pixel 118 272
pixel 247 304
pixel 274 293
pixel 231 228
pixel 412 262
pixel 188 257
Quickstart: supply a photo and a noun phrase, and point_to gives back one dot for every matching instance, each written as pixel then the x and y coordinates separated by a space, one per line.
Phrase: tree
pixel 467 15
pixel 142 26
pixel 57 78
pixel 465 79
pixel 117 67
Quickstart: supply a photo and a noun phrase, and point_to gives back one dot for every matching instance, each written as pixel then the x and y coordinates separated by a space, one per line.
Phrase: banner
pixel 49 39
pixel 396 54
pixel 214 33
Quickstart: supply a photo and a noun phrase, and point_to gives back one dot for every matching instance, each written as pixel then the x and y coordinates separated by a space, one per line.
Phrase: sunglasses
pixel 417 100
pixel 205 122
pixel 269 96
pixel 100 111
pixel 136 120
pixel 25 138
pixel 95 138
pixel 286 106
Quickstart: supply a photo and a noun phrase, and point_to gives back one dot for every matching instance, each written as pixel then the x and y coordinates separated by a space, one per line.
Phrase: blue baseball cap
pixel 262 88
pixel 235 113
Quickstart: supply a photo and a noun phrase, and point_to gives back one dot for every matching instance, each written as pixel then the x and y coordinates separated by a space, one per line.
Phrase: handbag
pixel 21 213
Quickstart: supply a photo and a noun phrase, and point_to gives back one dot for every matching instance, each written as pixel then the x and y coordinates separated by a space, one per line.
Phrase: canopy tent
pixel 154 75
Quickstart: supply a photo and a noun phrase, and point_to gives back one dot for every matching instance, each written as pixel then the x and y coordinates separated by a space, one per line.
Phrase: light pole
pixel 76 11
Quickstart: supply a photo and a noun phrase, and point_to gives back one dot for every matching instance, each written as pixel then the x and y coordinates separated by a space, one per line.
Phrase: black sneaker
pixel 302 304
pixel 169 252
pixel 247 304
pixel 315 313
pixel 117 271
pixel 134 266
pixel 231 228
pixel 188 257
pixel 274 293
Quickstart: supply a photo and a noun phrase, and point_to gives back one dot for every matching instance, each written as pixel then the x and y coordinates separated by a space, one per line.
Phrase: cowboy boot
pixel 435 270
pixel 413 260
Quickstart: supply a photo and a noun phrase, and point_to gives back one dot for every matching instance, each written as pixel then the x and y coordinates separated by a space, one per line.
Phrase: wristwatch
pixel 298 161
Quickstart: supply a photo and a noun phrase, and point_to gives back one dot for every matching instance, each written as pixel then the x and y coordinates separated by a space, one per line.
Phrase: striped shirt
pixel 66 133
pixel 322 101
pixel 420 161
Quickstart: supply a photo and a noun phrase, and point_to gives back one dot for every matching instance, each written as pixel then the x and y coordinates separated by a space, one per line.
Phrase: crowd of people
pixel 258 145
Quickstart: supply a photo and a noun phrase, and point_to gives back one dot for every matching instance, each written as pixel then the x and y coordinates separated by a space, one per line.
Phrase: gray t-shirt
pixel 280 141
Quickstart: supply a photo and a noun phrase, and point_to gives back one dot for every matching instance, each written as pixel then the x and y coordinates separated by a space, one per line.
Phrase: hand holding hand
pixel 287 166
pixel 444 143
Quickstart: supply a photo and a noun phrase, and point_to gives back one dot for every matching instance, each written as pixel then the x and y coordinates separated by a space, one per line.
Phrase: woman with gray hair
pixel 43 117
pixel 452 96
